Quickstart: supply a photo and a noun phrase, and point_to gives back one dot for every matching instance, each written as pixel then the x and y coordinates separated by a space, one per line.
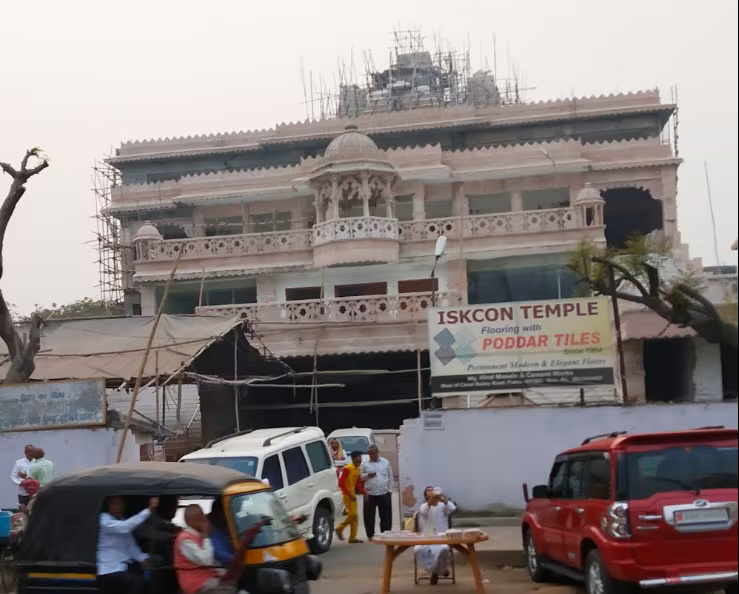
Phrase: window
pixel 521 279
pixel 224 226
pixel 296 467
pixel 302 293
pixel 231 295
pixel 546 199
pixel 354 443
pixel 557 481
pixel 423 285
pixel 272 471
pixel 247 465
pixel 404 207
pixel 318 456
pixel 269 222
pixel 438 209
pixel 598 478
pixel 489 204
pixel 360 290
pixel 575 482
pixel 248 508
pixel 683 468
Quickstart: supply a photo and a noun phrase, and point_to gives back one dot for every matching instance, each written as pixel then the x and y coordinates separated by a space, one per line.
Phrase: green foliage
pixel 82 308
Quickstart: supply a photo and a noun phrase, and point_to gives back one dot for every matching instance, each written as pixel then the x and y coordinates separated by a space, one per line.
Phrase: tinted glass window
pixel 683 468
pixel 575 480
pixel 318 456
pixel 557 481
pixel 295 465
pixel 354 443
pixel 247 464
pixel 272 471
pixel 598 478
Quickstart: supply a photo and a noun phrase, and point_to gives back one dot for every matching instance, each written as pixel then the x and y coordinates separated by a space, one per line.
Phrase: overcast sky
pixel 80 76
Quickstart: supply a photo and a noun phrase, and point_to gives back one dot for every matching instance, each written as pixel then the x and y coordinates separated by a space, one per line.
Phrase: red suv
pixel 651 510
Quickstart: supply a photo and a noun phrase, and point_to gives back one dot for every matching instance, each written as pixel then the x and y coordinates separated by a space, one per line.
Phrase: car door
pixel 573 510
pixel 550 516
pixel 299 483
pixel 324 477
pixel 273 470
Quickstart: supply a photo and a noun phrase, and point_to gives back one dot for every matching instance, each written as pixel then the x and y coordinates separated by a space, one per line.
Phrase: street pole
pixel 619 338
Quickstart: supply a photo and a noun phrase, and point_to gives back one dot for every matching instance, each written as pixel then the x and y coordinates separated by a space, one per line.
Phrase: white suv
pixel 296 463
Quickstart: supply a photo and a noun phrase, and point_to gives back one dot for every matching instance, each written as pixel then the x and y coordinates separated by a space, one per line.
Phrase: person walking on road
pixel 377 477
pixel 351 485
pixel 41 469
pixel 20 473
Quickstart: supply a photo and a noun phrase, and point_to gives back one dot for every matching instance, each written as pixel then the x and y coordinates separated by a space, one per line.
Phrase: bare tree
pixel 645 272
pixel 22 348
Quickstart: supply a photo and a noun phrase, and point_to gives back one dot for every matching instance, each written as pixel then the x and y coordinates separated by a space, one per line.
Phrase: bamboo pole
pixel 156 384
pixel 420 384
pixel 145 358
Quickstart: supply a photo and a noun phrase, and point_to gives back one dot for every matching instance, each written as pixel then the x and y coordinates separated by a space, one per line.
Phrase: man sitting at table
pixel 433 518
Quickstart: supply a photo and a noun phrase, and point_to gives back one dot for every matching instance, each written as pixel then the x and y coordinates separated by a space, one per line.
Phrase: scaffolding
pixel 108 235
pixel 415 77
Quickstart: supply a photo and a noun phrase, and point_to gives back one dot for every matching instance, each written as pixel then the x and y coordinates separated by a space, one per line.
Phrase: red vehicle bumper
pixel 622 566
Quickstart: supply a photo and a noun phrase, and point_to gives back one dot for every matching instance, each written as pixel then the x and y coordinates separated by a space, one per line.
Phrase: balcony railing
pixel 407 307
pixel 250 244
pixel 533 221
pixel 355 228
pixel 509 223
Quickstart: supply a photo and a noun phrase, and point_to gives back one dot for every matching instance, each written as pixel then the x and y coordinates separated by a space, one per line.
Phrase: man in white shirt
pixel 117 548
pixel 20 473
pixel 377 477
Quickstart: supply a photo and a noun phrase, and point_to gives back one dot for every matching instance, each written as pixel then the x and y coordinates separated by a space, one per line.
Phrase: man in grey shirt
pixel 377 477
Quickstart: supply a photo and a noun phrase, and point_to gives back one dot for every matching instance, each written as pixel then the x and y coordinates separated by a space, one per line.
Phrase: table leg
pixel 475 566
pixel 387 572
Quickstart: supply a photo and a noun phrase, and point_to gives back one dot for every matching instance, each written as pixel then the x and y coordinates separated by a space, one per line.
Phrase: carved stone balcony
pixel 360 239
pixel 408 307
pixel 251 244
pixel 530 221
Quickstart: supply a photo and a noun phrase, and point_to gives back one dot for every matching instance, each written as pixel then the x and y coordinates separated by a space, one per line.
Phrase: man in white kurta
pixel 433 518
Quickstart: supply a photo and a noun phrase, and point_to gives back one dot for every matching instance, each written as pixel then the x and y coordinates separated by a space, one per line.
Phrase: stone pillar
pixel 419 203
pixel 333 208
pixel 266 289
pixel 516 201
pixel 634 371
pixel 461 201
pixel 387 194
pixel 365 194
pixel 457 282
pixel 148 300
pixel 198 222
pixel 245 227
pixel 669 202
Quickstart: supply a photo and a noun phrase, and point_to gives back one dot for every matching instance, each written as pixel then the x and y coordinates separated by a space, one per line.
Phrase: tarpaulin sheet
pixel 113 348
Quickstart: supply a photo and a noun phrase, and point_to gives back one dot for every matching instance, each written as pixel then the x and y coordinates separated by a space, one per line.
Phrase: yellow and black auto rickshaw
pixel 59 547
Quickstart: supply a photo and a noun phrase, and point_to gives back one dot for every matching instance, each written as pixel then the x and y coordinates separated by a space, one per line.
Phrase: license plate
pixel 702 516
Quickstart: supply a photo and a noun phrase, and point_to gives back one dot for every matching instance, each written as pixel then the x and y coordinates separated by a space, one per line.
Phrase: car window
pixel 272 471
pixel 295 465
pixel 575 480
pixel 598 478
pixel 354 443
pixel 680 468
pixel 318 456
pixel 246 464
pixel 557 480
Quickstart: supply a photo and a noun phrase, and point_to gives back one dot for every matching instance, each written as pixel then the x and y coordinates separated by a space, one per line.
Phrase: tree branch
pixel 627 274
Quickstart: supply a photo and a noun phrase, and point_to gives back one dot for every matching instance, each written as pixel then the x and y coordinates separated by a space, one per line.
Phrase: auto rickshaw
pixel 58 551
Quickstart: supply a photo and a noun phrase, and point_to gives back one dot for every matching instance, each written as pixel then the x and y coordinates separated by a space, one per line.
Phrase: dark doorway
pixel 729 374
pixel 630 212
pixel 668 368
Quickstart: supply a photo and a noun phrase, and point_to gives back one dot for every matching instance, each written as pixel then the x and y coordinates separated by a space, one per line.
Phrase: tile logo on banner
pixel 455 346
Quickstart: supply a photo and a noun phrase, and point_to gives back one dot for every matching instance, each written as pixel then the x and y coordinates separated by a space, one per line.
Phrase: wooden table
pixel 396 546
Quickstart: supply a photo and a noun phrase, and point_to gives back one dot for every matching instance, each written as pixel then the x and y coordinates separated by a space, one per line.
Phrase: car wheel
pixel 597 580
pixel 533 562
pixel 733 589
pixel 323 531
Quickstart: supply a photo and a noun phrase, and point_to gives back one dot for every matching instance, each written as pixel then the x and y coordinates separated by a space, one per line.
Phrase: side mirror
pixel 266 482
pixel 526 497
pixel 540 492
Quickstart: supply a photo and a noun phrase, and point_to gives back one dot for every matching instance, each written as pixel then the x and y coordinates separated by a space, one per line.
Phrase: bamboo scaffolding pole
pixel 145 358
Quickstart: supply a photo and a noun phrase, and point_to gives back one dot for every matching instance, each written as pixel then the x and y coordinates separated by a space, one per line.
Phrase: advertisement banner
pixel 506 347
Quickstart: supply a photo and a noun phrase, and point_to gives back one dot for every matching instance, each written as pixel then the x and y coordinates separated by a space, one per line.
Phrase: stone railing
pixel 528 221
pixel 355 228
pixel 406 307
pixel 250 244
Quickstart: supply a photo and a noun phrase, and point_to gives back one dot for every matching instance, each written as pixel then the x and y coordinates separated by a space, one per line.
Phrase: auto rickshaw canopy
pixel 63 525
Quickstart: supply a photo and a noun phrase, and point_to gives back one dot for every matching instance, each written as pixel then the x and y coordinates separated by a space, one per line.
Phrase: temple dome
pixel 588 195
pixel 147 232
pixel 351 144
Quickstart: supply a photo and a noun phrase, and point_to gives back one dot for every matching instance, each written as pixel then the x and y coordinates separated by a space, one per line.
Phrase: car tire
pixel 323 531
pixel 733 589
pixel 597 579
pixel 533 560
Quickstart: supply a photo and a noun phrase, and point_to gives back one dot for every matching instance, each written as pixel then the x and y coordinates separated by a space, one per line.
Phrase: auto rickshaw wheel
pixel 8 575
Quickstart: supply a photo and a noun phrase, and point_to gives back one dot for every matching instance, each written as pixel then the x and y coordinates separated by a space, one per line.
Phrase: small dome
pixel 588 195
pixel 147 232
pixel 351 144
